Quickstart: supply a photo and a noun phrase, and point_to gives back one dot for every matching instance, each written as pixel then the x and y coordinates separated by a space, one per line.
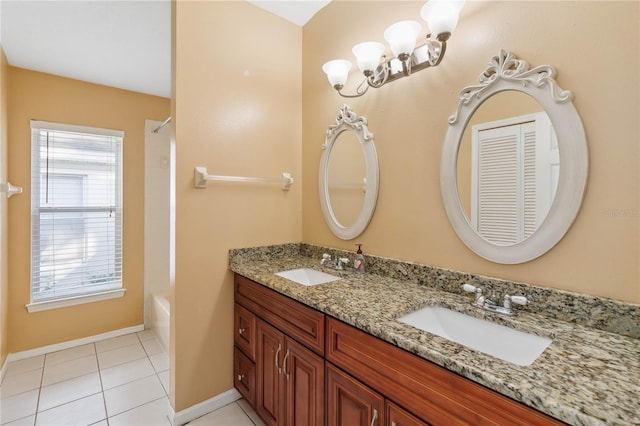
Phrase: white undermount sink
pixel 493 339
pixel 307 276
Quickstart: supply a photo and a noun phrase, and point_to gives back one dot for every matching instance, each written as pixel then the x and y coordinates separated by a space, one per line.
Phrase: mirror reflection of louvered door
pixel 512 178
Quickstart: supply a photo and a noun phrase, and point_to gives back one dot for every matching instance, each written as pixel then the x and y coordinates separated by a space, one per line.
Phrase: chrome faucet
pixel 337 264
pixel 489 304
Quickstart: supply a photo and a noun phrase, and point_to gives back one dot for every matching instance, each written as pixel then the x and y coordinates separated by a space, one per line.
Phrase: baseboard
pixel 198 410
pixel 71 343
pixel 3 370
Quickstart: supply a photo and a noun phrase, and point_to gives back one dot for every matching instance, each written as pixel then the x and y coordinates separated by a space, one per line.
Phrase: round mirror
pixel 348 178
pixel 508 167
pixel 497 206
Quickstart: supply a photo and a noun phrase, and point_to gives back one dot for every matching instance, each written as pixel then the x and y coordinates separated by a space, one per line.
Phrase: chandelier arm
pixel 406 67
pixel 379 77
pixel 443 49
pixel 359 90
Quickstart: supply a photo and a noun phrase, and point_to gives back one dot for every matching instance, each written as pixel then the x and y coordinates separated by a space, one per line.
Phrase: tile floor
pixel 119 381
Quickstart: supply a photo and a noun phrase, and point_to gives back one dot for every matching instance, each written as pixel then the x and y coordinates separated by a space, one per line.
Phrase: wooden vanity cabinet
pixel 289 367
pixel 289 360
pixel 432 393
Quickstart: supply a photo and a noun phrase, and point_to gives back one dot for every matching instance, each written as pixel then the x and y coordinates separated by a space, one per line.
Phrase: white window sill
pixel 45 305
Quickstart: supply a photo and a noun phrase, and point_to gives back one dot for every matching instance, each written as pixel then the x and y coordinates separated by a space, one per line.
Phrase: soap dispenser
pixel 358 263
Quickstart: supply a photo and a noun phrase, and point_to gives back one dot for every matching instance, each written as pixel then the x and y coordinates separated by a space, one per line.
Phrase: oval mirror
pixel 348 178
pixel 514 163
pixel 346 173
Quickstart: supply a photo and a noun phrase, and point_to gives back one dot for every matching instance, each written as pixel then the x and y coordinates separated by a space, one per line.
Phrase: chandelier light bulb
pixel 442 16
pixel 337 71
pixel 402 36
pixel 368 55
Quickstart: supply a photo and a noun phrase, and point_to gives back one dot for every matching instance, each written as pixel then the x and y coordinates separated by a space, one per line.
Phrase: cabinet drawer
pixel 244 334
pixel 433 393
pixel 244 376
pixel 397 416
pixel 298 321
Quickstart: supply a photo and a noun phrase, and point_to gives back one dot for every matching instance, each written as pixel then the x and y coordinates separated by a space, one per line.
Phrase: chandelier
pixel 441 17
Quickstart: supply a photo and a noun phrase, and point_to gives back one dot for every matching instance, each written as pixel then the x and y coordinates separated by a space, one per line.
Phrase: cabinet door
pixel 350 403
pixel 304 375
pixel 270 396
pixel 397 416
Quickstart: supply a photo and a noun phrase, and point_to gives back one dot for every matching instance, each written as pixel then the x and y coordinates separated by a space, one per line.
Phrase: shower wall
pixel 156 224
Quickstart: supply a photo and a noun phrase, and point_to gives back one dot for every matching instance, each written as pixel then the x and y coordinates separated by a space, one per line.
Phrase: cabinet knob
pixel 375 417
pixel 241 330
pixel 240 377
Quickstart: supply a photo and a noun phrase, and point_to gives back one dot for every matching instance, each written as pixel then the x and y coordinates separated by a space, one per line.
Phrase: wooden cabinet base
pixel 432 393
pixel 281 372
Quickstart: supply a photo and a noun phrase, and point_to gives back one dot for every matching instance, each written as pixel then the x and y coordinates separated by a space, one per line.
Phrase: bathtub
pixel 160 312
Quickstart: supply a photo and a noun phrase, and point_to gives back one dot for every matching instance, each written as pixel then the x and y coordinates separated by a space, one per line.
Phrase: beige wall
pixel 237 111
pixel 34 95
pixel 4 274
pixel 595 49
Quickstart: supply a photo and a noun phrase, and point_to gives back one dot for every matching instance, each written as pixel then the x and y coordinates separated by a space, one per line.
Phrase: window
pixel 76 215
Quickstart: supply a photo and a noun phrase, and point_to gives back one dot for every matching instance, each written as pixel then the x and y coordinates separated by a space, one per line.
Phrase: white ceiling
pixel 296 11
pixel 124 44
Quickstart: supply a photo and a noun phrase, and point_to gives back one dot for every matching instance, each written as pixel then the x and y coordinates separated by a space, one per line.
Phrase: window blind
pixel 505 210
pixel 498 212
pixel 76 210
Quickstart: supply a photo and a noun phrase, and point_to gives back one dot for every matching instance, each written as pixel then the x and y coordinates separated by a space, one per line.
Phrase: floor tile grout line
pixel 69 402
pixel 245 413
pixel 70 378
pixel 100 372
pixel 35 415
pixel 103 394
pixel 6 374
pixel 121 364
pixel 136 407
pixel 104 400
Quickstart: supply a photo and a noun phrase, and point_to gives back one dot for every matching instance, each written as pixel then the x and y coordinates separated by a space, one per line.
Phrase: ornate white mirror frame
pixel 507 72
pixel 348 121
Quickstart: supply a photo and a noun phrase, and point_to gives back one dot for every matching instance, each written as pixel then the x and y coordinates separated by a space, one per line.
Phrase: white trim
pixel 45 305
pixel 202 408
pixel 3 370
pixel 38 124
pixel 72 343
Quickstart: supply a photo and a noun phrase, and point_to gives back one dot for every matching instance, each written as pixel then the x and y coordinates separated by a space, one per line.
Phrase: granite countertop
pixel 585 377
